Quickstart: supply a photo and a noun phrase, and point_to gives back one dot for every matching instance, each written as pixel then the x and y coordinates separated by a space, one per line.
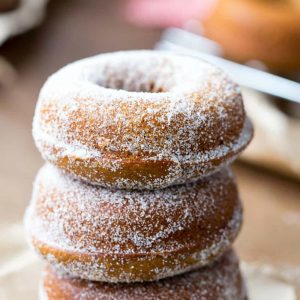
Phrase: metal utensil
pixel 186 43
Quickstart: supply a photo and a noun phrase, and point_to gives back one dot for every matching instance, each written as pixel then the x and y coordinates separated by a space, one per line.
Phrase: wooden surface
pixel 75 29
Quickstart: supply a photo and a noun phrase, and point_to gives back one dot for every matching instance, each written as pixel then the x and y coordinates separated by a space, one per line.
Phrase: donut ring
pixel 268 31
pixel 140 119
pixel 220 280
pixel 125 236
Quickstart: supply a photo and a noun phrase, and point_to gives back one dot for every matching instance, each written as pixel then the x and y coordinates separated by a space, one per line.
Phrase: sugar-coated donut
pixel 221 280
pixel 140 119
pixel 264 30
pixel 124 236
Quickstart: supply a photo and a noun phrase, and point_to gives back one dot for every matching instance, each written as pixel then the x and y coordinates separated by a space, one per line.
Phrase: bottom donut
pixel 220 280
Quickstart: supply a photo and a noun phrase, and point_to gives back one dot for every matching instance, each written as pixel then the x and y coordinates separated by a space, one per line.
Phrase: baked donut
pixel 140 119
pixel 264 30
pixel 124 236
pixel 219 281
pixel 8 5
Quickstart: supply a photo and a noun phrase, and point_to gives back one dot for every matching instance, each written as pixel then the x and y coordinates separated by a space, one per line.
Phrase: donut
pixel 264 30
pixel 125 236
pixel 221 280
pixel 140 119
pixel 8 5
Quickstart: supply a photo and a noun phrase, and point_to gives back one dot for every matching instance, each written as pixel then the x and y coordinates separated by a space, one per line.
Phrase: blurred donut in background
pixel 8 5
pixel 263 30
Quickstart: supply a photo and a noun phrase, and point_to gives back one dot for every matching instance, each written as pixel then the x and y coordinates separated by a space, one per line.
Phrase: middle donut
pixel 124 236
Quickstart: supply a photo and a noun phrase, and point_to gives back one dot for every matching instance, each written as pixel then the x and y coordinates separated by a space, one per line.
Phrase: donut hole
pixel 155 89
pixel 133 85
pixel 142 73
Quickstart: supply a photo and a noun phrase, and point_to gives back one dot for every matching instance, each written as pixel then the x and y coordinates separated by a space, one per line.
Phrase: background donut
pixel 268 31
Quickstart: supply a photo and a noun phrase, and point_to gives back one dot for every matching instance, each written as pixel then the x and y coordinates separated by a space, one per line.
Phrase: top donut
pixel 140 119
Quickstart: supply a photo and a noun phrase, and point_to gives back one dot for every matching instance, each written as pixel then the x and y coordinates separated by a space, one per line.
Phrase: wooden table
pixel 76 29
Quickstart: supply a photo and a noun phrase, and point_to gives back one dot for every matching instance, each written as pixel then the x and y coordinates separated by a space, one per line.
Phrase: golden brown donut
pixel 219 281
pixel 8 5
pixel 124 236
pixel 140 119
pixel 264 30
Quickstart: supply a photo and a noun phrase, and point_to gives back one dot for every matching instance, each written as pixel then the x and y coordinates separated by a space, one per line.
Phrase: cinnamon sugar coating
pixel 121 236
pixel 140 119
pixel 220 280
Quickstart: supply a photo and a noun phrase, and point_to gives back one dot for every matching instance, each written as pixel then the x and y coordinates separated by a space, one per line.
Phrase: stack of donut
pixel 137 187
